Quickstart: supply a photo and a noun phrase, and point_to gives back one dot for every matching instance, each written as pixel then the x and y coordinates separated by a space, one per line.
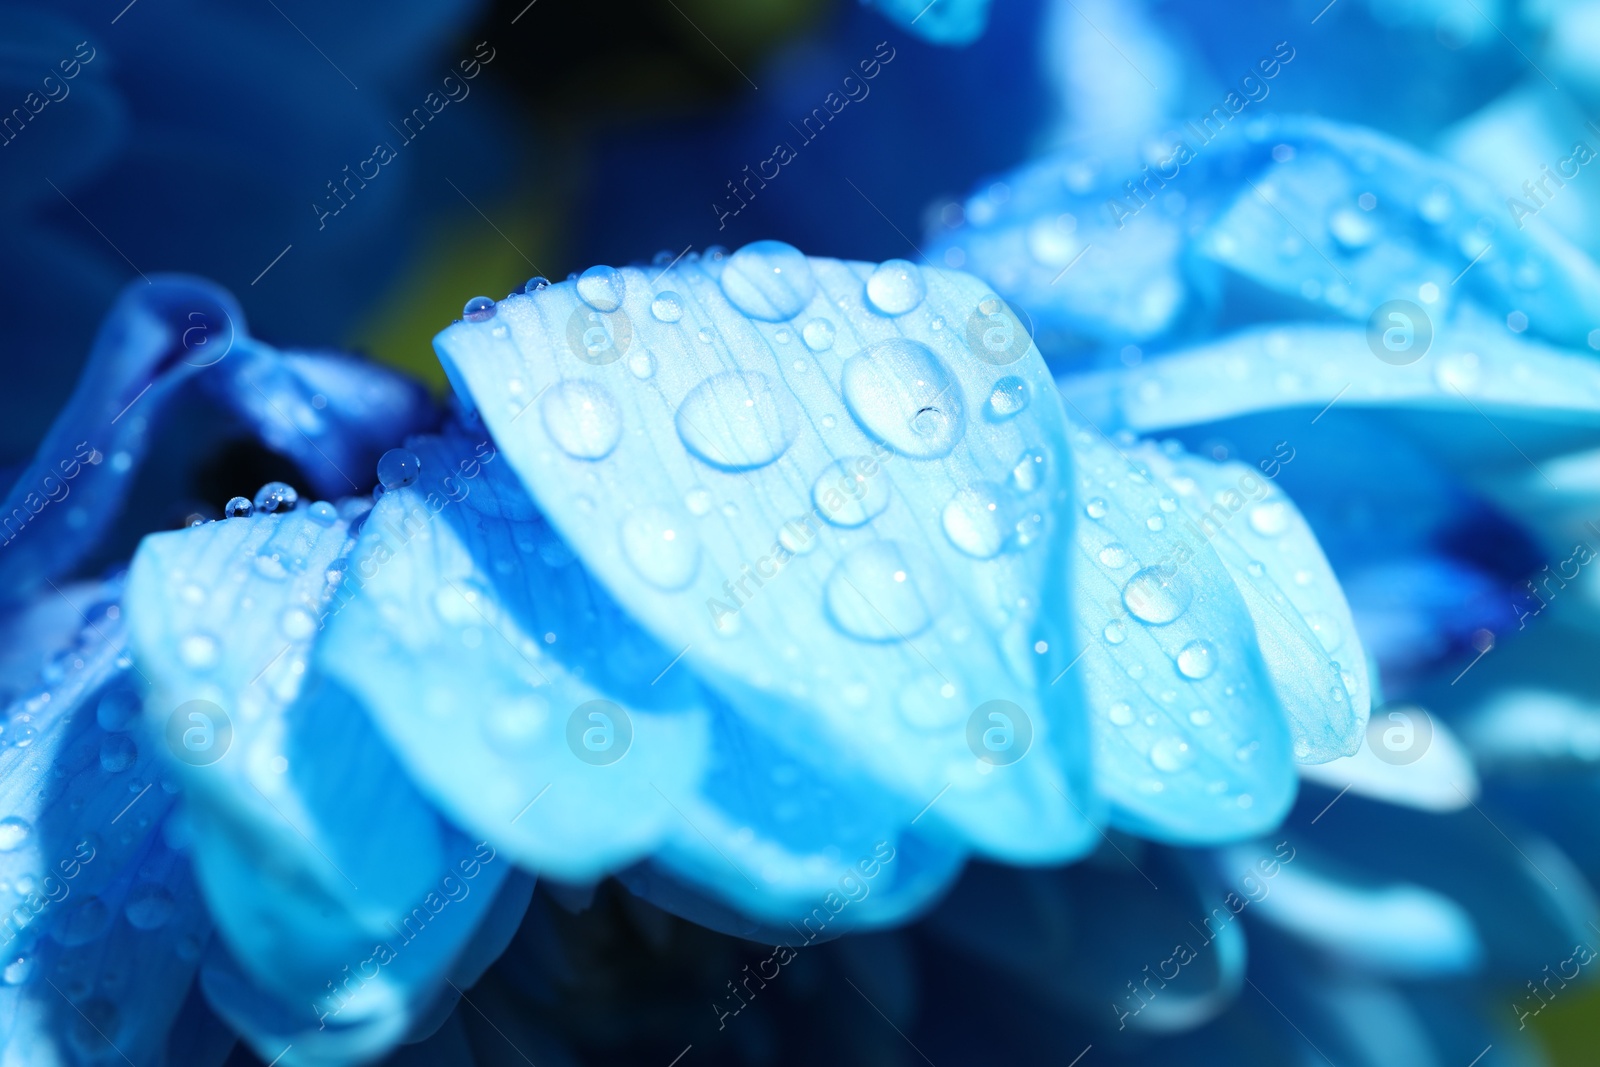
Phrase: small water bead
pixel 13 832
pixel 1171 754
pixel 975 520
pixel 17 971
pixel 704 335
pixel 198 651
pixel 117 710
pixel 149 906
pixel 1028 472
pixel 1256 569
pixel 818 335
pixel 1200 717
pixel 851 491
pixel 1155 523
pixel 769 280
pixel 642 365
pixel 1095 508
pixel 884 591
pixel 581 418
pixel 478 309
pixel 117 753
pixel 602 288
pixel 536 284
pixel 698 501
pixel 1197 659
pixel 1157 595
pixel 297 623
pixel 896 287
pixel 1008 397
pixel 84 923
pixel 238 508
pixel 1351 229
pixel 661 547
pixel 667 307
pixel 1270 519
pixel 323 513
pixel 1120 714
pixel 1326 628
pixel 398 468
pixel 1115 633
pixel 737 420
pixel 1114 556
pixel 901 395
pixel 276 496
pixel 1168 505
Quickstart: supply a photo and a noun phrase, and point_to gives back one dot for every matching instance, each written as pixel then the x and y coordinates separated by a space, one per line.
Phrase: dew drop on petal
pixel 478 309
pixel 851 491
pixel 661 547
pixel 975 520
pixel 768 280
pixel 737 420
pixel 602 288
pixel 275 496
pixel 1197 659
pixel 1120 714
pixel 901 395
pixel 398 468
pixel 667 307
pixel 149 906
pixel 1157 595
pixel 13 832
pixel 238 508
pixel 1008 397
pixel 884 591
pixel 1114 556
pixel 1171 754
pixel 896 287
pixel 818 335
pixel 581 418
pixel 1270 519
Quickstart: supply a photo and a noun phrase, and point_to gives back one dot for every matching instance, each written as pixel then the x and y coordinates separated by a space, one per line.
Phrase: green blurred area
pixel 577 71
pixel 1568 1027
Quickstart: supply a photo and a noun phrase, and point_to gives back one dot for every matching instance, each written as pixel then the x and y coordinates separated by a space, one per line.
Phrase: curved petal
pixel 800 472
pixel 1191 742
pixel 953 22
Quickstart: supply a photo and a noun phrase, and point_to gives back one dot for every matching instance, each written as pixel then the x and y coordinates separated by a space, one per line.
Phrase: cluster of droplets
pixel 270 499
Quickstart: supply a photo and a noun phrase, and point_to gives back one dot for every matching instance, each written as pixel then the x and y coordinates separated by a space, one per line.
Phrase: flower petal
pixel 712 469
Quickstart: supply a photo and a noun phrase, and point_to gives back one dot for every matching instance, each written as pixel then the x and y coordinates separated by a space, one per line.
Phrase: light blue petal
pixel 1191 742
pixel 465 627
pixel 310 842
pixel 1307 637
pixel 679 443
pixel 103 926
pixel 946 22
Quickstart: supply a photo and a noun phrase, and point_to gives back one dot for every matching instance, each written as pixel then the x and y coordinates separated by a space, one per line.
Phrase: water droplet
pixel 17 971
pixel 238 508
pixel 737 420
pixel 698 501
pixel 818 335
pixel 581 418
pixel 798 535
pixel 1197 659
pixel 297 623
pixel 976 520
pixel 642 365
pixel 1007 398
pixel 1157 595
pixel 13 832
pixel 536 283
pixel 1171 754
pixel 851 491
pixel 1351 229
pixel 198 651
pixel 1155 523
pixel 276 496
pixel 769 280
pixel 1120 714
pixel 1326 628
pixel 884 591
pixel 1115 633
pixel 117 753
pixel 1095 508
pixel 661 547
pixel 478 309
pixel 1270 519
pixel 398 468
pixel 117 710
pixel 1200 716
pixel 602 288
pixel 1028 472
pixel 667 307
pixel 323 513
pixel 149 906
pixel 84 923
pixel 896 287
pixel 1114 556
pixel 900 394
